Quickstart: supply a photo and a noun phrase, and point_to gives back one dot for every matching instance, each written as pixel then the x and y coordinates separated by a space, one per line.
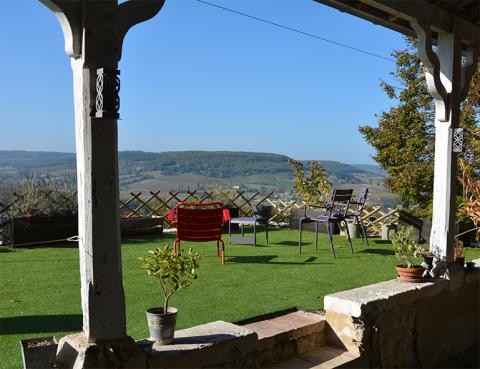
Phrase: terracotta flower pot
pixel 410 275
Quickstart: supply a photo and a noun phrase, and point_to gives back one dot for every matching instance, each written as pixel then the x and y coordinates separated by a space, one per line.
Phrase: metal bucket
pixel 160 325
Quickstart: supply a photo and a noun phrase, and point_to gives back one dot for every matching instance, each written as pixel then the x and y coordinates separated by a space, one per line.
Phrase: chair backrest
pixel 199 222
pixel 262 213
pixel 339 203
pixel 362 199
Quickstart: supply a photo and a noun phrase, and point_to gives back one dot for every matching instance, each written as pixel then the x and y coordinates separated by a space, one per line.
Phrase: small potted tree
pixel 406 251
pixel 173 271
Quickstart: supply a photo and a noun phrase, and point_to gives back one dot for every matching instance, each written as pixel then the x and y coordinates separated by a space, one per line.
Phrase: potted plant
pixel 459 256
pixel 44 210
pixel 427 257
pixel 353 229
pixel 39 352
pixel 388 230
pixel 173 271
pixel 406 251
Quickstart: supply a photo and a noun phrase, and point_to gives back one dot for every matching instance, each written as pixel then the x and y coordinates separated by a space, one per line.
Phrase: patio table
pixel 242 221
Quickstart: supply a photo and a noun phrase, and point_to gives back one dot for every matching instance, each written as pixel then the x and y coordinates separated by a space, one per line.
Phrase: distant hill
pixel 214 164
pixel 35 161
pixel 186 170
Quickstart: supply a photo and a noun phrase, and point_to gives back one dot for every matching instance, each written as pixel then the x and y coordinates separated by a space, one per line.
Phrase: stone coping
pixel 360 301
pixel 215 344
pixel 291 323
pixel 203 336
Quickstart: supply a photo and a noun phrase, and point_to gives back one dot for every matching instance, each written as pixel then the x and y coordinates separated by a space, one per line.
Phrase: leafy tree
pixel 313 188
pixel 404 137
pixel 173 271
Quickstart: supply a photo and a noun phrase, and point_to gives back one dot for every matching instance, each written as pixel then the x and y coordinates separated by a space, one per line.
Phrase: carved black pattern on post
pixel 107 101
pixel 457 142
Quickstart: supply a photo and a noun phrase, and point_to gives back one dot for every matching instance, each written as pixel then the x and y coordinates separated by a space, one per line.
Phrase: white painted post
pixel 94 32
pixel 103 301
pixel 448 81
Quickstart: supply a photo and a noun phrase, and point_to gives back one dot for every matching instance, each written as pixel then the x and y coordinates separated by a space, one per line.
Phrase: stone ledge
pixel 295 324
pixel 285 336
pixel 358 301
pixel 213 344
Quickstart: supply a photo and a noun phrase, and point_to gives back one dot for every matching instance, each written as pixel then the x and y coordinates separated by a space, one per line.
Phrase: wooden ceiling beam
pixel 397 15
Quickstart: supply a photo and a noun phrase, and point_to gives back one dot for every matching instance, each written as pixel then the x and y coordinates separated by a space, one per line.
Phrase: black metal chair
pixel 335 212
pixel 261 215
pixel 356 213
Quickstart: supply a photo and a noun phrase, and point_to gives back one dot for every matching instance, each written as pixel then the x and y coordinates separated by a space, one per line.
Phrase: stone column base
pixel 75 352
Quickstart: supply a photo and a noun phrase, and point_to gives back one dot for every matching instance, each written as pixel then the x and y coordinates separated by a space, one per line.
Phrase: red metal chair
pixel 199 222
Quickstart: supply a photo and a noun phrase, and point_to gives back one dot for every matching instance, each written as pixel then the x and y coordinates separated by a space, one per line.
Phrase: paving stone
pixel 285 323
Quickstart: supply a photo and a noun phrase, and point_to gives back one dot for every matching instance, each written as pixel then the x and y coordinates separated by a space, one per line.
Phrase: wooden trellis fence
pixel 153 204
pixel 373 217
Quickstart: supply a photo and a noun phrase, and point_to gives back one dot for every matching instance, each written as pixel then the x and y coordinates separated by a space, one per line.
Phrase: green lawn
pixel 40 288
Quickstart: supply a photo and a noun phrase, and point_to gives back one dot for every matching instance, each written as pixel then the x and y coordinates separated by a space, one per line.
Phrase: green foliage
pixel 44 196
pixel 404 137
pixel 312 189
pixel 173 271
pixel 420 212
pixel 405 248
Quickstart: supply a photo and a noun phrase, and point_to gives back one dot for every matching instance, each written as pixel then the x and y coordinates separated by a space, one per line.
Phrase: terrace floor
pixel 40 293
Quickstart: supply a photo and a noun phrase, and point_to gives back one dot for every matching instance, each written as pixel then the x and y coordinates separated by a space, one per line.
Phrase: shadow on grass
pixel 28 260
pixel 267 259
pixel 148 239
pixel 383 242
pixel 48 245
pixel 6 249
pixel 291 243
pixel 378 251
pixel 40 324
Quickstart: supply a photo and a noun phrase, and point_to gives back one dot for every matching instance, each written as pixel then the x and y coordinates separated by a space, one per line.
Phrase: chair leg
pixel 255 233
pixel 357 222
pixel 348 234
pixel 243 229
pixel 266 230
pixel 176 246
pixel 330 239
pixel 364 230
pixel 300 237
pixel 218 251
pixel 223 251
pixel 229 231
pixel 316 236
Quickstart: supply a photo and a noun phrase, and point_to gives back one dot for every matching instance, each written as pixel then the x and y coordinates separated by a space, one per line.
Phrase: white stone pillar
pixel 94 31
pixel 448 76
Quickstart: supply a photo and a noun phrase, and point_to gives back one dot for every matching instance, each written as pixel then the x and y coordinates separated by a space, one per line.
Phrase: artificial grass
pixel 40 293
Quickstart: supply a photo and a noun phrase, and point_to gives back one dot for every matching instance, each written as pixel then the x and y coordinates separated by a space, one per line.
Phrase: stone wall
pixel 392 324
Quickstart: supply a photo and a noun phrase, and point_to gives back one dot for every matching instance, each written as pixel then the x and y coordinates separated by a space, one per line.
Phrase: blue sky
pixel 196 77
